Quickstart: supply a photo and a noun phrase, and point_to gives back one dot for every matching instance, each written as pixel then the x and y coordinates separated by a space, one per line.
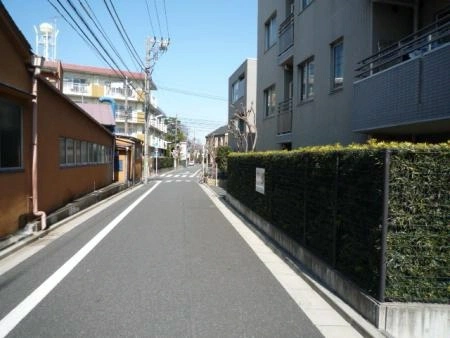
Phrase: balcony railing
pixel 424 40
pixel 284 122
pixel 286 34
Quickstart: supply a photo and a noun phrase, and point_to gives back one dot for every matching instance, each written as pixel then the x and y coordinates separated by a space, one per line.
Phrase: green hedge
pixel 418 238
pixel 330 200
pixel 163 162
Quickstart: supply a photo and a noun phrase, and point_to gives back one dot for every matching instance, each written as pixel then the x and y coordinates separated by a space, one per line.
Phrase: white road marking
pixel 317 309
pixel 10 321
pixel 194 174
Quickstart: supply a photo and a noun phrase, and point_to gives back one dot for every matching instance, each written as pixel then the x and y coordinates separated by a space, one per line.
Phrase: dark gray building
pixel 344 71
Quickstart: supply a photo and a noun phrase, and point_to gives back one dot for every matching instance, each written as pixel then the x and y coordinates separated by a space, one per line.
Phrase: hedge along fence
pixel 163 162
pixel 337 201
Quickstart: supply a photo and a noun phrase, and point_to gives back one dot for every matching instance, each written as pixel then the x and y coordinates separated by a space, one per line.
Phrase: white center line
pixel 10 321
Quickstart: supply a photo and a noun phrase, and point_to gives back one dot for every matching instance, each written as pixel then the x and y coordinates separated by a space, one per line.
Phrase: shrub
pixel 330 200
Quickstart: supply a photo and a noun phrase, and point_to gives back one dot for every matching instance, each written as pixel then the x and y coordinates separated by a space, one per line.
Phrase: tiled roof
pixel 102 112
pixel 219 131
pixel 68 67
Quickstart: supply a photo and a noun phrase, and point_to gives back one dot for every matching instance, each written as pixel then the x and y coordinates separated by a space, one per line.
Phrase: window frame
pixel 270 32
pixel 238 88
pixel 306 89
pixel 337 65
pixel 17 108
pixel 269 96
pixel 70 152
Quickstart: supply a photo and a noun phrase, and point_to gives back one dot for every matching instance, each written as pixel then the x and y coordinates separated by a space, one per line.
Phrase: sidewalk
pixel 364 327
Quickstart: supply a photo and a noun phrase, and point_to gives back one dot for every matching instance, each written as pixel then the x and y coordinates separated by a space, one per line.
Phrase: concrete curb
pixel 62 216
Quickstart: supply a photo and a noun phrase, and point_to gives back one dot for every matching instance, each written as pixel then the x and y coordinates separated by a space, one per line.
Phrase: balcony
pixel 404 88
pixel 286 39
pixel 284 117
pixel 76 89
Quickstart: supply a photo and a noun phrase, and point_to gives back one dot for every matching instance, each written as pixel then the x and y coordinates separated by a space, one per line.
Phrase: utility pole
pixel 153 48
pixel 126 105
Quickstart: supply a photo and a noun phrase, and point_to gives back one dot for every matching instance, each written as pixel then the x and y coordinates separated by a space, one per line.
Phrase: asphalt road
pixel 171 267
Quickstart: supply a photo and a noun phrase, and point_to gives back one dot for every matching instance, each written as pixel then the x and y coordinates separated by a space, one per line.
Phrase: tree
pixel 222 157
pixel 175 132
pixel 243 127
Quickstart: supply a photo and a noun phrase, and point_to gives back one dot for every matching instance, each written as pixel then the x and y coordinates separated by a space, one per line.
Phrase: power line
pixel 105 55
pixel 149 17
pixel 80 31
pixel 91 14
pixel 157 18
pixel 126 39
pixel 167 22
pixel 191 93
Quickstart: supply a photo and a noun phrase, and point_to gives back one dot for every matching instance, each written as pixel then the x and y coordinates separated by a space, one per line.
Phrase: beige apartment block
pixel 90 85
pixel 344 71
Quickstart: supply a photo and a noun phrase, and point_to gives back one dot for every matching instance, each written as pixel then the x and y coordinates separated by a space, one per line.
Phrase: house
pixel 214 140
pixel 242 105
pixel 51 150
pixel 129 155
pixel 345 71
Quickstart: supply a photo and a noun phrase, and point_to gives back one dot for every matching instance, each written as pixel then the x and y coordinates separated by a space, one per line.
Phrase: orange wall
pixel 15 187
pixel 59 117
pixel 13 70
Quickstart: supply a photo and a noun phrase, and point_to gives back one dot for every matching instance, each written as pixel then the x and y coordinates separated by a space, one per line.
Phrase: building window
pixel 62 151
pixel 269 101
pixel 10 135
pixel 237 89
pixel 337 66
pixel 77 153
pixel 84 152
pixel 270 32
pixel 70 154
pixel 306 80
pixel 76 85
pixel 77 147
pixel 305 3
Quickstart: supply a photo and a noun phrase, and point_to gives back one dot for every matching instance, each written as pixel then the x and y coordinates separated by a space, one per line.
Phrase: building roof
pixel 219 131
pixel 69 67
pixel 101 112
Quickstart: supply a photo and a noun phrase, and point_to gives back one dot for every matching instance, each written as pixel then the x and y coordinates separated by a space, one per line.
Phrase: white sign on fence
pixel 260 180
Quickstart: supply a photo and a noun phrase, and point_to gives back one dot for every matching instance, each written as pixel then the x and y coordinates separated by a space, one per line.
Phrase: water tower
pixel 46 35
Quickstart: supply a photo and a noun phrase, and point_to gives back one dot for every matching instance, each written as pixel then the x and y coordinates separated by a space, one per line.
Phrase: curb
pixel 63 215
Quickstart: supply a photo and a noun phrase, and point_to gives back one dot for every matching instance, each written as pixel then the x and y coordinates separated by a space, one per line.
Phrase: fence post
pixel 305 185
pixel 335 197
pixel 382 286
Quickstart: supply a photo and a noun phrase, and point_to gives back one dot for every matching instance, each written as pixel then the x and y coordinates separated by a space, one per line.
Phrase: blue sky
pixel 209 40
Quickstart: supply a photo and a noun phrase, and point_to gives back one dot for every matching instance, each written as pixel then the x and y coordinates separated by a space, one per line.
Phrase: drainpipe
pixel 34 169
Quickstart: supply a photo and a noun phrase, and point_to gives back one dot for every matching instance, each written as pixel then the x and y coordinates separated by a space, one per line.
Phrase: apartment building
pixel 242 106
pixel 124 90
pixel 325 75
